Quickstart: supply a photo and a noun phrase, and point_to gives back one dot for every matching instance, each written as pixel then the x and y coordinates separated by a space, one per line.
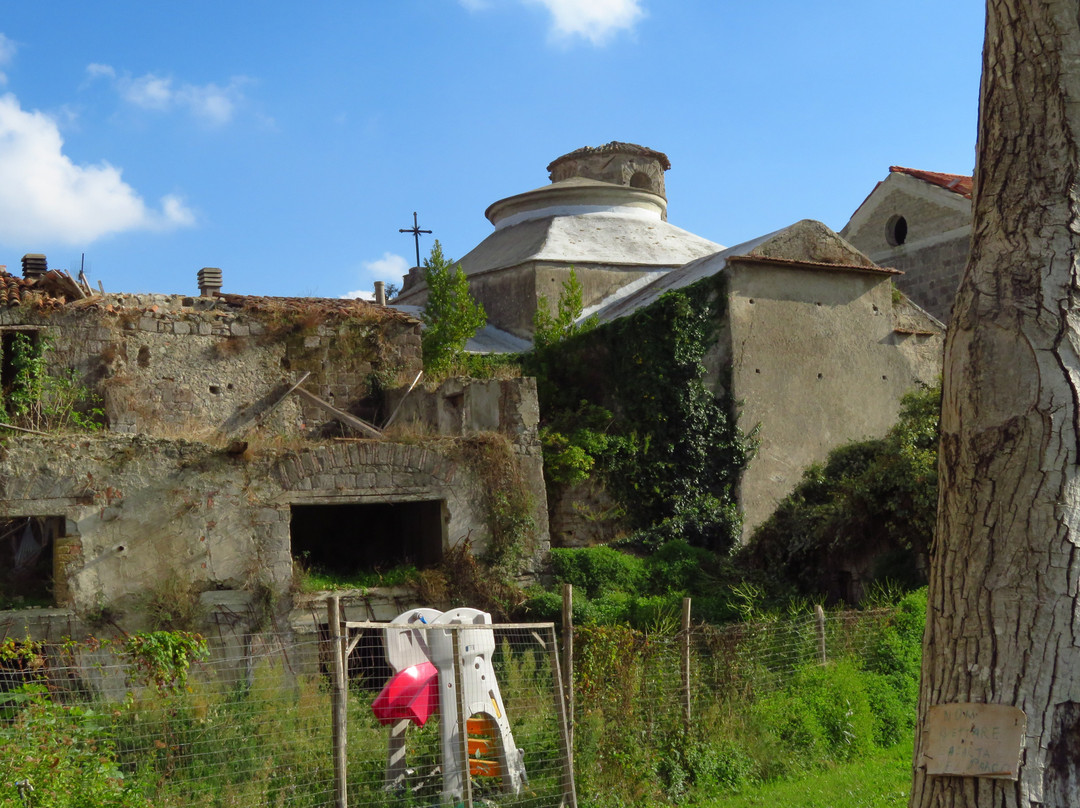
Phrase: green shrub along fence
pixel 154 721
pixel 759 701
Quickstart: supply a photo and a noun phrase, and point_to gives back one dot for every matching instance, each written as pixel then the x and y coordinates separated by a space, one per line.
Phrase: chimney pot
pixel 380 292
pixel 34 266
pixel 209 281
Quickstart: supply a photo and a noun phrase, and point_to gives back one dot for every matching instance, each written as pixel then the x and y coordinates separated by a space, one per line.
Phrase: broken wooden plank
pixel 350 421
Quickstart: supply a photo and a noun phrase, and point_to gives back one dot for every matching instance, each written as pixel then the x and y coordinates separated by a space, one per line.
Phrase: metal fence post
pixel 337 709
pixel 686 661
pixel 819 615
pixel 568 657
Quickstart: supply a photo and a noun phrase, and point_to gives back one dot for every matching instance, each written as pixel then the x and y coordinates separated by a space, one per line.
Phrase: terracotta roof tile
pixel 957 183
pixel 16 291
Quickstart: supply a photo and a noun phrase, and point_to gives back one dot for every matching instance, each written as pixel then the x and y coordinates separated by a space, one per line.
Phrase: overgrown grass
pixel 316 579
pixel 771 725
pixel 880 780
pixel 765 710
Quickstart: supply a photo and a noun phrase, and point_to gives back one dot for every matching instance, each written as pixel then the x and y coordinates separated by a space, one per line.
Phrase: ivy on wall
pixel 628 402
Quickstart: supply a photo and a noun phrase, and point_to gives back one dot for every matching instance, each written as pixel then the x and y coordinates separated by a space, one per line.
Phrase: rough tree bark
pixel 1003 625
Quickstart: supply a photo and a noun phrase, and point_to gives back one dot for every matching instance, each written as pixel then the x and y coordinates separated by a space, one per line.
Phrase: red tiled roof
pixel 41 293
pixel 957 183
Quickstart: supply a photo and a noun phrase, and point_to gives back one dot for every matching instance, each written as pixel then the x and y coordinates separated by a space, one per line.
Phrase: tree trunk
pixel 1003 625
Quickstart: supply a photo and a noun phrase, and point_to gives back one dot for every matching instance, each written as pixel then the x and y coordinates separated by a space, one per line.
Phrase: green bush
pixel 822 714
pixel 60 756
pixel 879 494
pixel 626 403
pixel 597 570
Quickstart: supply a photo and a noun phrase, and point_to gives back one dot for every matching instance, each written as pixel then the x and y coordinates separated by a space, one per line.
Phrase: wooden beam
pixel 350 421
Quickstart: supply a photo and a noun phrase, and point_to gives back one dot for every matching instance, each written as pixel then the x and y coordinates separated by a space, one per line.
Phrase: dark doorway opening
pixel 353 539
pixel 26 560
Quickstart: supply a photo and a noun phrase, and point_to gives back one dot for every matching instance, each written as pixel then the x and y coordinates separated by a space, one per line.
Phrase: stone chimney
pixel 34 266
pixel 209 282
pixel 380 292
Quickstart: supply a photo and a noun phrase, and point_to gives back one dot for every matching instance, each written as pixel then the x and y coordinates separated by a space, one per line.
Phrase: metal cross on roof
pixel 416 231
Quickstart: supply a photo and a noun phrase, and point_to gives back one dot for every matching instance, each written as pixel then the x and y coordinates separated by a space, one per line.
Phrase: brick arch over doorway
pixel 365 468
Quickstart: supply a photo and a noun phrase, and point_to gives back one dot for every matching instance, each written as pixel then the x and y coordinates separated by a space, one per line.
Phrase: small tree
pixel 451 315
pixel 549 329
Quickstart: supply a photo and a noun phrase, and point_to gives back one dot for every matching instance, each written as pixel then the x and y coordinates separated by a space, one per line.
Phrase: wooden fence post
pixel 569 788
pixel 333 624
pixel 819 615
pixel 686 661
pixel 568 656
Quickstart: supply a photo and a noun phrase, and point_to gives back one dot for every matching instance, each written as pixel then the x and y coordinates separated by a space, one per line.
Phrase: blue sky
pixel 287 143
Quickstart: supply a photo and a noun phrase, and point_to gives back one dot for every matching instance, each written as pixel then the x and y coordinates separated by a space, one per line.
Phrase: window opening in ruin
pixel 20 353
pixel 26 560
pixel 896 230
pixel 641 180
pixel 354 540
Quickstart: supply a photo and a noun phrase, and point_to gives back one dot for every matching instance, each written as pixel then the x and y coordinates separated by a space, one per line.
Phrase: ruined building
pixel 239 442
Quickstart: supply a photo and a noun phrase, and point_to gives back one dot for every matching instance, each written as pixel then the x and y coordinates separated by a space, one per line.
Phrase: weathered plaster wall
pixel 932 269
pixel 819 358
pixel 929 211
pixel 510 297
pixel 160 498
pixel 935 251
pixel 150 510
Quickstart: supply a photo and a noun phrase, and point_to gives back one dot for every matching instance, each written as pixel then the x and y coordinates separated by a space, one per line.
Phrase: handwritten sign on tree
pixel 973 740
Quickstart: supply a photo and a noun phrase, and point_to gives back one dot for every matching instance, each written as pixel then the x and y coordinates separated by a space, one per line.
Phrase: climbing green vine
pixel 628 402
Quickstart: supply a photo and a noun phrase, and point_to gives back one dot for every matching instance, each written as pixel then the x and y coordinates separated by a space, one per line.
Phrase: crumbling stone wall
pixel 618 163
pixel 167 364
pixel 143 511
pixel 164 495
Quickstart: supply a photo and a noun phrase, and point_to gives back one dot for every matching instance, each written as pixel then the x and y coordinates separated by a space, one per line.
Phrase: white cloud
pixel 360 294
pixel 595 20
pixel 95 70
pixel 7 53
pixel 44 196
pixel 389 268
pixel 212 103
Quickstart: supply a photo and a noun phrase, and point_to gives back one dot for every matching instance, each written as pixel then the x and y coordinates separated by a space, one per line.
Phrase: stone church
pixel 918 222
pixel 816 344
pixel 604 214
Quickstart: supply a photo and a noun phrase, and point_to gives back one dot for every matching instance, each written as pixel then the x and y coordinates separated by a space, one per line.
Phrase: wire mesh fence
pixel 483 722
pixel 655 712
pixel 117 726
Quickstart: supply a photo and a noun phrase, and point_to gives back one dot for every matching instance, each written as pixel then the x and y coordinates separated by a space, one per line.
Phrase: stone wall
pixel 611 165
pixel 934 251
pixel 932 270
pixel 510 296
pixel 193 366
